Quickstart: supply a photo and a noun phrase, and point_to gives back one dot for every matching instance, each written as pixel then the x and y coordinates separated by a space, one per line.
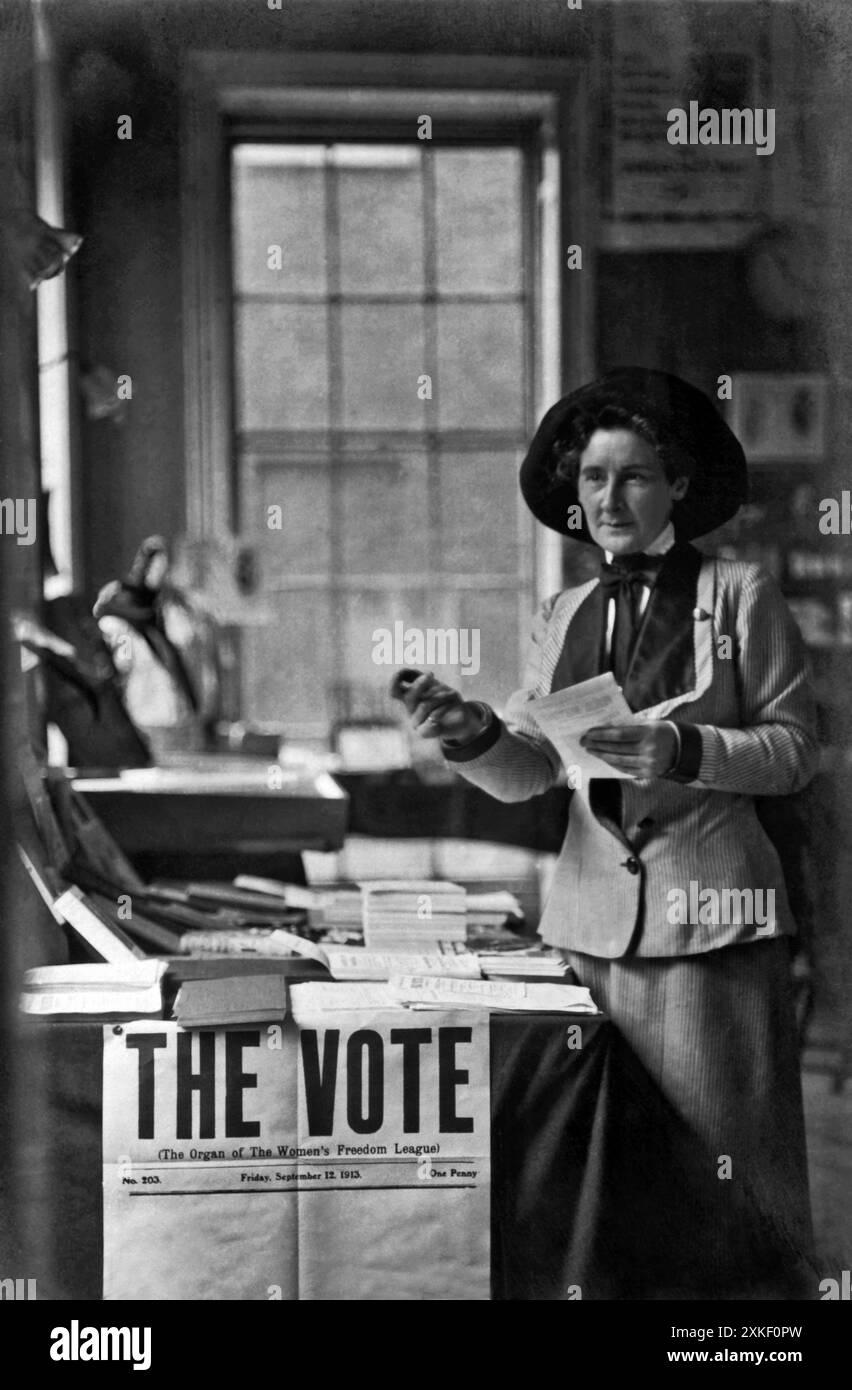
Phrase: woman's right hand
pixel 436 710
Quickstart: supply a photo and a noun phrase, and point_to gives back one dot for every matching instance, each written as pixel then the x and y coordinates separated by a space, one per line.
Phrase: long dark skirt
pixel 716 1033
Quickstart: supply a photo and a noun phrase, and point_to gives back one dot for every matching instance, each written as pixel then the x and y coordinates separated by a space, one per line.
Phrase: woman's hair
pixel 567 451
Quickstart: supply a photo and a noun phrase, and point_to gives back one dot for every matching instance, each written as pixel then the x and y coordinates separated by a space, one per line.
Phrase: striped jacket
pixel 629 887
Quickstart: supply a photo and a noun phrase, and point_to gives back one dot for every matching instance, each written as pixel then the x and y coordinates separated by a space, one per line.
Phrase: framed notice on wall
pixel 780 417
pixel 671 184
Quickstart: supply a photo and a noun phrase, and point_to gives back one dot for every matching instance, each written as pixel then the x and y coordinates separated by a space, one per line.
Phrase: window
pixel 382 324
pixel 378 377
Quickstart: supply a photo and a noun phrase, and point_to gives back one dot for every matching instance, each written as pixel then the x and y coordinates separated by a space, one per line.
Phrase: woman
pixel 697 981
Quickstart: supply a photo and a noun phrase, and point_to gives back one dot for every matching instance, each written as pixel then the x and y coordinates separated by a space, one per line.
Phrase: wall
pixel 688 311
pixel 122 58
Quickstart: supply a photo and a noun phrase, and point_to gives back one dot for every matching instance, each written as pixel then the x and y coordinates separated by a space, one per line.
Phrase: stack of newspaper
pixel 129 989
pixel 412 914
pixel 439 993
pixel 420 992
pixel 359 963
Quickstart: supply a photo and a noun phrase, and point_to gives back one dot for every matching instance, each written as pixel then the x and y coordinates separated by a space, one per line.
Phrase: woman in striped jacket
pixel 668 897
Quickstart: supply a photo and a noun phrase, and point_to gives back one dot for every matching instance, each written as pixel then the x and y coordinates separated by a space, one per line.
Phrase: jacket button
pixel 632 865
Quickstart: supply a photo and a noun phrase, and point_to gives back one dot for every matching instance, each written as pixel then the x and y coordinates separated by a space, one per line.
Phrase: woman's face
pixel 624 492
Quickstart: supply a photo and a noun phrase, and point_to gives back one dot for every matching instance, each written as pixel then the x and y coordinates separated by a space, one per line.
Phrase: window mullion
pixel 335 401
pixel 431 366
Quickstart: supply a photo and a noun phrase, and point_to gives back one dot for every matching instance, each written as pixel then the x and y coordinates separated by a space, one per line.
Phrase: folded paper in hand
pixel 566 715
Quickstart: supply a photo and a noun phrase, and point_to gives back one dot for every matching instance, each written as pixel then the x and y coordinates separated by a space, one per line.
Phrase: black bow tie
pixel 624 572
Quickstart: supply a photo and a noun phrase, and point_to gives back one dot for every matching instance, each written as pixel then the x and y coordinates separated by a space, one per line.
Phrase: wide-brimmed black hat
pixel 682 417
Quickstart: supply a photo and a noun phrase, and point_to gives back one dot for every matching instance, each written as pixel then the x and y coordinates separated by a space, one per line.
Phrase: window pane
pixel 303 544
pixel 386 525
pixel 381 221
pixel 365 617
pixel 479 220
pixel 453 630
pixel 494 616
pixel 279 684
pixel 479 514
pixel 383 356
pixel 282 368
pixel 279 201
pixel 480 366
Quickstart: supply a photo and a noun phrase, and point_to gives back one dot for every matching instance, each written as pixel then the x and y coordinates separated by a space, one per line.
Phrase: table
pixel 595 1185
pixel 212 816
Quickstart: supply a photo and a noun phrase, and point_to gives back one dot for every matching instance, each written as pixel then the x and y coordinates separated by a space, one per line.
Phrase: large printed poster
pixel 660 194
pixel 349 1160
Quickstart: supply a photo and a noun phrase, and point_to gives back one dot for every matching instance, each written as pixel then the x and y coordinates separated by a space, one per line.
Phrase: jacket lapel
pixel 662 666
pixel 580 657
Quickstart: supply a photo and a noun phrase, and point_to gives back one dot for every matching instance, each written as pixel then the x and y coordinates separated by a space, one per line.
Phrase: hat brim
pixel 680 413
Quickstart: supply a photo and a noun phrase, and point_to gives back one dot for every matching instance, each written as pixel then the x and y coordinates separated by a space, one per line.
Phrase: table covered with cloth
pixel 598 1189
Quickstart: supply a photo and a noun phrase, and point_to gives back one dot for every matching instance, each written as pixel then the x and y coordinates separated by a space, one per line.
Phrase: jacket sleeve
pixel 511 759
pixel 774 750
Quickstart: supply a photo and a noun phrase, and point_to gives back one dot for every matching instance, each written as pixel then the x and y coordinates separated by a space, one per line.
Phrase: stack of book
pixel 413 914
pixel 489 909
pixel 336 906
pixel 339 909
pixel 237 999
pixel 529 961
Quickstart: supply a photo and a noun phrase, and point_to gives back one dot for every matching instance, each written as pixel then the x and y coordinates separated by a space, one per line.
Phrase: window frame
pixel 222 90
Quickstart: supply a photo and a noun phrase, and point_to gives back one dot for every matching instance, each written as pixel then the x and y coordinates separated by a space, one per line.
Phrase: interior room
pixel 288 289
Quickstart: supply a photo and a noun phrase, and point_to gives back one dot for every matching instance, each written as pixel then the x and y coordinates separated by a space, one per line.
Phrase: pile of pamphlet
pixel 536 961
pixel 240 999
pixel 421 992
pixel 359 963
pixel 335 905
pixel 412 914
pixel 443 993
pixel 122 990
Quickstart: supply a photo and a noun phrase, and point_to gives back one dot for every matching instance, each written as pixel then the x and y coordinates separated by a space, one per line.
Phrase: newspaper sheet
pixel 347 1158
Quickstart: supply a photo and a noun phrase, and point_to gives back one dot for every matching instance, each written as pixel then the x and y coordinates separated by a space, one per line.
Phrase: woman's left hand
pixel 640 750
